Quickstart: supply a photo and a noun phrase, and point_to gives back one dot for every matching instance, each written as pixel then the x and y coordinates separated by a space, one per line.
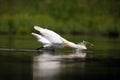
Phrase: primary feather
pixel 43 40
pixel 50 35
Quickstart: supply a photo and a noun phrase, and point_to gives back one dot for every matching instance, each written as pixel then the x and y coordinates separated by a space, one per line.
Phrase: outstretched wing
pixel 41 39
pixel 50 35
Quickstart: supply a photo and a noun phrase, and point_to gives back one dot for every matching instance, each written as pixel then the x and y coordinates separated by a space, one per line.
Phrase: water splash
pixel 80 53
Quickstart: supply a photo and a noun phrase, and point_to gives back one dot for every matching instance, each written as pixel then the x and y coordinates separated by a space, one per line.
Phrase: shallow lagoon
pixel 101 64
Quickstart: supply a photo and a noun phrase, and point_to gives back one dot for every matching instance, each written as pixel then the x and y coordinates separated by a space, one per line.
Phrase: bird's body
pixel 50 39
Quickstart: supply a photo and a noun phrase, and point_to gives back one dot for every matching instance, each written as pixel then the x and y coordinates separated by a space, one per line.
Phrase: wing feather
pixel 42 39
pixel 50 35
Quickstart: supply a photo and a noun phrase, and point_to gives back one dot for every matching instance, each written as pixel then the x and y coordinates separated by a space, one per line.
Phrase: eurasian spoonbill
pixel 50 39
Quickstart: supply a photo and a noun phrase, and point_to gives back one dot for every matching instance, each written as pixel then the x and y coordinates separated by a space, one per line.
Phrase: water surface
pixel 102 64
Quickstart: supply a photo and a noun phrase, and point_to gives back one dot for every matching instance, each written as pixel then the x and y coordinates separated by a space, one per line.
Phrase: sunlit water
pixel 102 64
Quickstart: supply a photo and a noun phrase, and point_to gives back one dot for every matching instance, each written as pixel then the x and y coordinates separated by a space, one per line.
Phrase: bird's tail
pixel 38 28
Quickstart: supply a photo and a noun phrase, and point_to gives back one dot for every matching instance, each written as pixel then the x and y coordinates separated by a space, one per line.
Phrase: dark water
pixel 102 64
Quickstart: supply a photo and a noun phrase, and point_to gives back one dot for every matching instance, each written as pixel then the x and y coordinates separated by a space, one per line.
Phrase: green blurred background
pixel 76 17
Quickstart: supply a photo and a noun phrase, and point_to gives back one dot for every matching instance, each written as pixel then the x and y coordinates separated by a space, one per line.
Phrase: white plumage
pixel 51 39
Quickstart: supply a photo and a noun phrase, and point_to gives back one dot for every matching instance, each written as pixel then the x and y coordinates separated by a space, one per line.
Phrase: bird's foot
pixel 39 49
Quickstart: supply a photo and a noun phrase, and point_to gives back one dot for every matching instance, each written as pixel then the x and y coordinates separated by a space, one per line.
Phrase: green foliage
pixel 64 16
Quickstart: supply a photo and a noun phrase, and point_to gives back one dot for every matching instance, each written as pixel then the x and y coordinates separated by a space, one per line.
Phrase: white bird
pixel 50 39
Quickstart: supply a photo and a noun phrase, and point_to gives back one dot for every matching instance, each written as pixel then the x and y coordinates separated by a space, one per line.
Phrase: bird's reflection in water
pixel 47 66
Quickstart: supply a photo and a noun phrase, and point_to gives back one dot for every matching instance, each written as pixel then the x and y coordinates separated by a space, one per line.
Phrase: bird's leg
pixel 53 50
pixel 40 48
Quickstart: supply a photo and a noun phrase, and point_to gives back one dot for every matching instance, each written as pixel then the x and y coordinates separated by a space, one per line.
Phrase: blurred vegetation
pixel 63 16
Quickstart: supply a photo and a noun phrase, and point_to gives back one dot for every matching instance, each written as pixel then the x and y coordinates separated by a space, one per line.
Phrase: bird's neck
pixel 76 46
pixel 71 44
